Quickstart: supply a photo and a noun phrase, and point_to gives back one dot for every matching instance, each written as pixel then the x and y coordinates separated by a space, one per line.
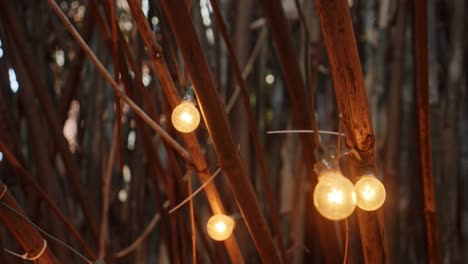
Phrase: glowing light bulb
pixel 220 227
pixel 185 117
pixel 334 196
pixel 370 193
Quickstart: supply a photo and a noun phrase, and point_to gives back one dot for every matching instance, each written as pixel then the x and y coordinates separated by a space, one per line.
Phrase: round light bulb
pixel 334 195
pixel 370 193
pixel 220 226
pixel 185 117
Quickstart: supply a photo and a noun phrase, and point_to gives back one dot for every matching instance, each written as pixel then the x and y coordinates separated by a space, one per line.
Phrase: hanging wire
pixel 25 256
pixel 195 192
pixel 298 131
pixel 338 142
pixel 345 257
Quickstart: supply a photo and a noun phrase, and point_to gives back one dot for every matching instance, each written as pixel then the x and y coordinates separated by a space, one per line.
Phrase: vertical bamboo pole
pixel 425 148
pixel 392 140
pixel 352 102
pixel 216 122
pixel 303 120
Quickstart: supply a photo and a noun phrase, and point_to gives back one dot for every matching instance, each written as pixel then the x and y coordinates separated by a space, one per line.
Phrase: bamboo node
pixel 25 255
pixel 5 189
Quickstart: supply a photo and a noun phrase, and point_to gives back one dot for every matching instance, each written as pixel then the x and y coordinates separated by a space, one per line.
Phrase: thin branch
pixel 192 218
pixel 154 220
pixel 106 185
pixel 307 67
pixel 248 67
pixel 115 56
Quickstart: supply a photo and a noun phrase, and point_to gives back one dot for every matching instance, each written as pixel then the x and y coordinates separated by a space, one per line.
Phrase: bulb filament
pixel 220 227
pixel 335 196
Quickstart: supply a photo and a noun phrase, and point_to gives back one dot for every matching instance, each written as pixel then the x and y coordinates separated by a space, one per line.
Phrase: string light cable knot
pixel 25 256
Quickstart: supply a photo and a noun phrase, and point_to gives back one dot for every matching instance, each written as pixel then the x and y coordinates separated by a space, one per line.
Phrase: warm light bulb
pixel 185 117
pixel 370 193
pixel 334 197
pixel 220 227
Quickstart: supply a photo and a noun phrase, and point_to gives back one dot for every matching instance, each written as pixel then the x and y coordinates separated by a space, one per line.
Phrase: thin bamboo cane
pixel 425 147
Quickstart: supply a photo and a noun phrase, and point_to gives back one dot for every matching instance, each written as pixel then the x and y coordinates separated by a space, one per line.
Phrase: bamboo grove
pixel 219 131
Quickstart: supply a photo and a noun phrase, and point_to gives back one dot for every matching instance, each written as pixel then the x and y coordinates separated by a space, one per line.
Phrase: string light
pixel 185 117
pixel 370 193
pixel 220 227
pixel 334 195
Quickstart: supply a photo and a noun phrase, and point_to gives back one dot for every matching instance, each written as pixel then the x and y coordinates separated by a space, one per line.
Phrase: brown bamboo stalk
pixel 425 148
pixel 216 121
pixel 106 185
pixel 303 120
pixel 25 234
pixel 22 173
pixel 134 107
pixel 190 139
pixel 115 57
pixel 253 130
pixel 51 116
pixel 392 149
pixel 352 102
pixel 192 218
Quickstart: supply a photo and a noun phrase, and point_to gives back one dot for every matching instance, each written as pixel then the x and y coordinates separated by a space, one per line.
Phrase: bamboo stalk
pixel 115 57
pixel 304 120
pixel 253 130
pixel 392 149
pixel 106 186
pixel 352 102
pixel 216 121
pixel 425 148
pixel 26 235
